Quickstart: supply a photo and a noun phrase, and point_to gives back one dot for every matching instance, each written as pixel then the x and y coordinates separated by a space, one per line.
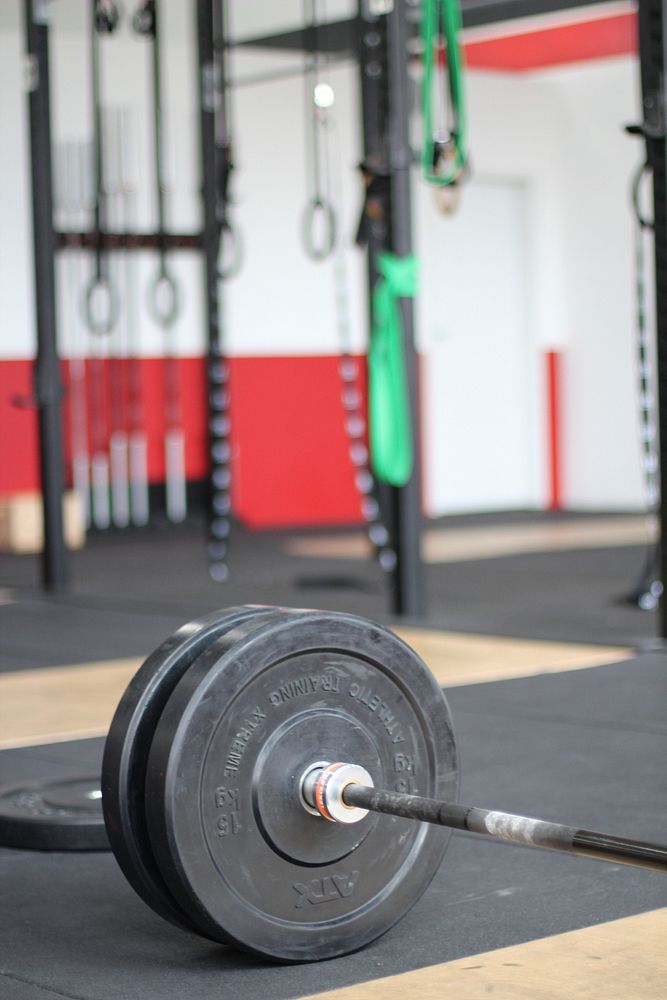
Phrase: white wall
pixel 554 137
pixel 601 432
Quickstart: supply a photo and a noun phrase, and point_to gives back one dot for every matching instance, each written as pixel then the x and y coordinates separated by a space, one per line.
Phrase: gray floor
pixel 130 590
pixel 587 747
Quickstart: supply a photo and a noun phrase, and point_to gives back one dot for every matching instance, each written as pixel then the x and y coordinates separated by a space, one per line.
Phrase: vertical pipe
pixel 47 379
pixel 211 91
pixel 374 97
pixel 384 91
pixel 653 58
pixel 553 360
pixel 410 593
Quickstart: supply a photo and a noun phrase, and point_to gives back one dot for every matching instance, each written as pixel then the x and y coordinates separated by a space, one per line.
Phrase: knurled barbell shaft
pixel 522 830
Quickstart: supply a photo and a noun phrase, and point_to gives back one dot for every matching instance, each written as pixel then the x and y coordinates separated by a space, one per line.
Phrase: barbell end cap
pixel 322 786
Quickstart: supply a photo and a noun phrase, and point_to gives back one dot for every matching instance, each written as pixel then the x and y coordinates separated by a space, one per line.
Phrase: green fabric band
pixel 443 16
pixel 389 419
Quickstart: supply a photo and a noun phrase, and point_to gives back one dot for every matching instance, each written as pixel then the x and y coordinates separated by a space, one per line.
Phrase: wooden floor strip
pixel 460 544
pixel 620 960
pixel 459 658
pixel 77 702
pixel 61 703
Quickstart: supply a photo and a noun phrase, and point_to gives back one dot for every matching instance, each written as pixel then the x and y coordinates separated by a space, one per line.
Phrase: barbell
pixel 263 773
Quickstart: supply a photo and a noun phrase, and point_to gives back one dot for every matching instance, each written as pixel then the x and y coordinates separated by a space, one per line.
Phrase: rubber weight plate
pixel 64 815
pixel 128 742
pixel 237 848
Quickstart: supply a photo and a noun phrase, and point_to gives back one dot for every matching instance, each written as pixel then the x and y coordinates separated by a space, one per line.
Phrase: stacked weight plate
pixel 202 770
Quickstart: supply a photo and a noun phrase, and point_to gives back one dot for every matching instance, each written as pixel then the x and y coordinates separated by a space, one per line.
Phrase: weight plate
pixel 127 745
pixel 238 850
pixel 63 815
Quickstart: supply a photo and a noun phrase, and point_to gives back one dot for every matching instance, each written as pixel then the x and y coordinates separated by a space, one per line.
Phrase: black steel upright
pixel 211 88
pixel 653 55
pixel 47 379
pixel 383 61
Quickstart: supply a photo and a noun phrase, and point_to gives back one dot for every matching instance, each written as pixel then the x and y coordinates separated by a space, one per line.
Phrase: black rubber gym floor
pixel 586 747
pixel 130 590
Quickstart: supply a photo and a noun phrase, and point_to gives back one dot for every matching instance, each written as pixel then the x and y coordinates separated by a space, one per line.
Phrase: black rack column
pixel 385 112
pixel 653 51
pixel 211 85
pixel 47 381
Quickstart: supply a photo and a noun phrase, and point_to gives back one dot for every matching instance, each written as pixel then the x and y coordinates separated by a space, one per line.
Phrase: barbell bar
pixel 342 792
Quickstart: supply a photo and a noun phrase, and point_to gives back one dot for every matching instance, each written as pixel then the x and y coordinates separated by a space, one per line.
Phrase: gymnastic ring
pixel 101 326
pixel 143 19
pixel 642 171
pixel 164 299
pixel 230 252
pixel 107 17
pixel 323 208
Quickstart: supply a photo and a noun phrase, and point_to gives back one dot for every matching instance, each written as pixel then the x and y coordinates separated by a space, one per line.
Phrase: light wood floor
pixel 76 702
pixel 457 544
pixel 621 960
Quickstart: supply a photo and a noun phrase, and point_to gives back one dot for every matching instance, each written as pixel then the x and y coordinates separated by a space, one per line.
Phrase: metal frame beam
pixel 48 390
pixel 653 59
pixel 384 90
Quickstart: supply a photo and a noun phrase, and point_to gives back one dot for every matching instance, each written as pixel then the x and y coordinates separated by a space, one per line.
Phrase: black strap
pixel 318 226
pixel 101 304
pixel 164 296
pixel 377 200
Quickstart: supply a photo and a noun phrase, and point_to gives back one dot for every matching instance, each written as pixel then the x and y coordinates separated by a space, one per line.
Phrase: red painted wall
pixel 289 446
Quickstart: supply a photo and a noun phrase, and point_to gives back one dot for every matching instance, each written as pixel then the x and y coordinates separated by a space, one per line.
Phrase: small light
pixel 221 477
pixel 355 427
pixel 348 369
pixel 364 482
pixel 370 508
pixel 218 372
pixel 218 399
pixel 220 451
pixel 221 503
pixel 379 535
pixel 387 560
pixel 323 95
pixel 219 528
pixel 351 399
pixel 217 551
pixel 220 425
pixel 218 572
pixel 358 453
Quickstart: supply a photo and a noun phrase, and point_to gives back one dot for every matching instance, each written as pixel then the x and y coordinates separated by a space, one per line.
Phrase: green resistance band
pixel 389 420
pixel 443 15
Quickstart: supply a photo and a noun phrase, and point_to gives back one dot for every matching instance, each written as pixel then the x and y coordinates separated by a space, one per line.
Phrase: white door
pixel 480 365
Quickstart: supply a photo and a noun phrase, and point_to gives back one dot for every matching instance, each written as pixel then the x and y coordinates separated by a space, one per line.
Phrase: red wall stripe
pixel 290 449
pixel 553 373
pixel 19 455
pixel 556 45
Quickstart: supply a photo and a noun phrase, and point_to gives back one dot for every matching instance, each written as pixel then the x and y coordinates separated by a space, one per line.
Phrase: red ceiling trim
pixel 562 44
